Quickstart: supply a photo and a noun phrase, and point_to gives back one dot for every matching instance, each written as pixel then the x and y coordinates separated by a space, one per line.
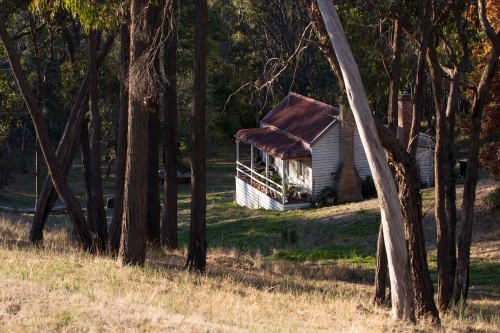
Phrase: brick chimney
pixel 405 116
pixel 347 181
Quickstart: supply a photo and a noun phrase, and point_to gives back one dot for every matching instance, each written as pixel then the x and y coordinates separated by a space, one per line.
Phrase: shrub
pixel 489 159
pixel 368 189
pixel 319 198
pixel 329 192
pixel 493 199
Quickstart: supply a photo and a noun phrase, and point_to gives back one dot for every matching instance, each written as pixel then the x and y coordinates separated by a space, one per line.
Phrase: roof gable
pixel 301 117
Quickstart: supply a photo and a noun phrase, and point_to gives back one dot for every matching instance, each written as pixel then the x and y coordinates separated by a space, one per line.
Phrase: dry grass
pixel 60 289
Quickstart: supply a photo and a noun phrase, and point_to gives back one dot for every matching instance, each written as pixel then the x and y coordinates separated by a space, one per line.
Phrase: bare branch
pixel 348 123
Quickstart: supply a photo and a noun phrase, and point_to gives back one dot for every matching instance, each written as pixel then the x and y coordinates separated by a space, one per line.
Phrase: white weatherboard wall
pixel 425 160
pixel 249 196
pixel 360 157
pixel 325 159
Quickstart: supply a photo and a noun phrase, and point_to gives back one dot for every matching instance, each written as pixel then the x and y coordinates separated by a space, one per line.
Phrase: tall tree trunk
pixel 153 186
pixel 65 151
pixel 141 89
pixel 410 201
pixel 394 81
pixel 169 226
pixel 401 287
pixel 381 271
pixel 115 229
pixel 153 208
pixel 80 227
pixel 197 250
pixel 444 293
pixel 418 91
pixel 450 192
pixel 461 286
pixel 23 148
pixel 38 173
pixel 95 204
pixel 153 162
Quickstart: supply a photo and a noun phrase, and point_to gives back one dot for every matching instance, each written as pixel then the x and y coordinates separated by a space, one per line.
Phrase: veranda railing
pixel 269 185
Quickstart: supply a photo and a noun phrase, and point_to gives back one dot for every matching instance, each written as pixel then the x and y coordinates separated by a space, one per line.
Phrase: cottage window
pixel 300 169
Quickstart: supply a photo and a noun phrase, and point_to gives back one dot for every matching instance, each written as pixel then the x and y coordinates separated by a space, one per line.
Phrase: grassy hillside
pixel 296 271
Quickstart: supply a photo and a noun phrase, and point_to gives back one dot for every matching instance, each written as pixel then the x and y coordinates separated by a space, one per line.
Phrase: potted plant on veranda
pixel 290 192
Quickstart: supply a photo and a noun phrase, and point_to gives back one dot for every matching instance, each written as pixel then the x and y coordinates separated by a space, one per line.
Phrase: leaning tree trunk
pixel 401 287
pixel 65 151
pixel 197 250
pixel 461 287
pixel 80 227
pixel 115 229
pixel 169 227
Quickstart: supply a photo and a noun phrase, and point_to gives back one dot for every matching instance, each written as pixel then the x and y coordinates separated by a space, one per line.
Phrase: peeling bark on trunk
pixel 141 84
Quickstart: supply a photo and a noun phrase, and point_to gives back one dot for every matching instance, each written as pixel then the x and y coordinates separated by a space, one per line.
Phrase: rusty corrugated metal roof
pixel 301 117
pixel 426 141
pixel 274 142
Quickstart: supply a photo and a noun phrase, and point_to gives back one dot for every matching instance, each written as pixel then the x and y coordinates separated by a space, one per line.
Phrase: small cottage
pixel 304 146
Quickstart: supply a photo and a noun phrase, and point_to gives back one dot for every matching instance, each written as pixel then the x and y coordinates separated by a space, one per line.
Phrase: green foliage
pixel 327 192
pixel 214 134
pixel 319 198
pixel 275 177
pixel 103 15
pixel 10 100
